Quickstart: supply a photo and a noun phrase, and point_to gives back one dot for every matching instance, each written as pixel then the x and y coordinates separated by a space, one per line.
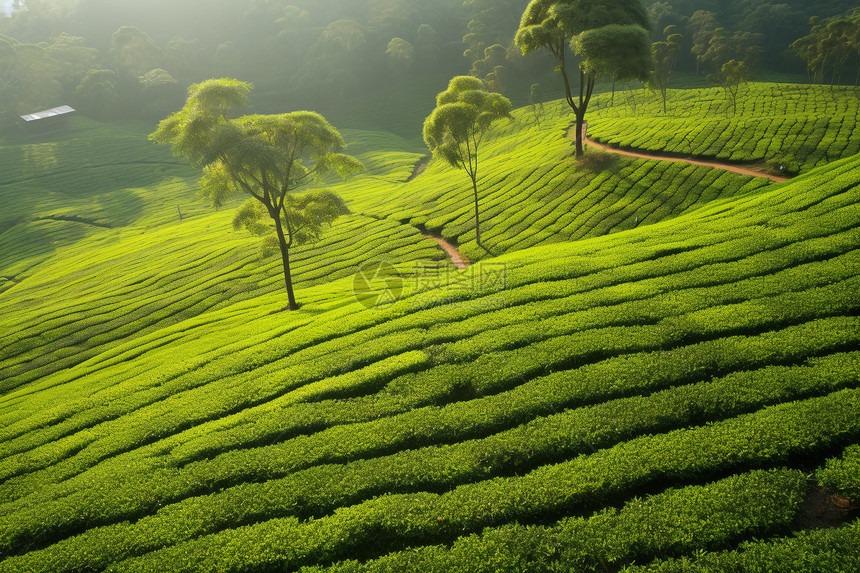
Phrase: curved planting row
pixel 722 342
pixel 144 282
pixel 532 192
pixel 793 126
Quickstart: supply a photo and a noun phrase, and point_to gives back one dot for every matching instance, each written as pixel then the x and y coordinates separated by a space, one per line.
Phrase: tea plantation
pixel 657 369
pixel 793 126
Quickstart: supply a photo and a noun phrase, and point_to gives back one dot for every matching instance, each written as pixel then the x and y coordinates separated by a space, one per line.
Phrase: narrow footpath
pixel 643 154
pixel 460 261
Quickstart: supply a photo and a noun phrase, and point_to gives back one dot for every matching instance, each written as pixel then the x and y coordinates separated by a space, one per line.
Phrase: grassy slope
pixel 719 342
pixel 532 191
pixel 796 126
pixel 199 264
pixel 147 270
pixel 166 416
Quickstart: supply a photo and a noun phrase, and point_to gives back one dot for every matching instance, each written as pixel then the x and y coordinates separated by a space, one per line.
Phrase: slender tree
pixel 703 25
pixel 609 36
pixel 455 129
pixel 735 74
pixel 266 157
pixel 665 55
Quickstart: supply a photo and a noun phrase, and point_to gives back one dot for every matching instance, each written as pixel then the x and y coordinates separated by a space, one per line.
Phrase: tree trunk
pixel 586 88
pixel 285 258
pixel 579 147
pixel 477 214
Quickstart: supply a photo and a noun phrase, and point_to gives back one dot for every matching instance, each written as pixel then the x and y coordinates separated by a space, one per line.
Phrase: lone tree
pixel 609 36
pixel 454 130
pixel 735 74
pixel 264 156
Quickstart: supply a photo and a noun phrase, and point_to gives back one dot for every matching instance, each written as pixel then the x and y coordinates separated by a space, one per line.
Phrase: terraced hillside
pixel 657 394
pixel 100 217
pixel 796 126
pixel 118 244
pixel 533 192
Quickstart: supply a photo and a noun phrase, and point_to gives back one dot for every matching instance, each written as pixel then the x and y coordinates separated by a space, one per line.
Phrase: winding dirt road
pixel 642 154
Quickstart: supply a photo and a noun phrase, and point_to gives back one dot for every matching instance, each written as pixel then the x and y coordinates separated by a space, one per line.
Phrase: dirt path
pixel 460 261
pixel 704 162
pixel 420 167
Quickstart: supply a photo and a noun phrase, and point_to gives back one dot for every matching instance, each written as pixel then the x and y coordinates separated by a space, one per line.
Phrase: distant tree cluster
pixel 831 48
pixel 762 34
pixel 118 59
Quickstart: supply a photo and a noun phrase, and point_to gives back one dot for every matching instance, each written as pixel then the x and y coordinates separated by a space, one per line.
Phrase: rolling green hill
pixel 653 394
pixel 533 192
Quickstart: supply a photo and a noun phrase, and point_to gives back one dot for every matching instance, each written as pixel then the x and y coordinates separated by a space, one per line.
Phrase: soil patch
pixel 822 509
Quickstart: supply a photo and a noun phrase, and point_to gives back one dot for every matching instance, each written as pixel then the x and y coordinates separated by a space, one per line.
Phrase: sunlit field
pixel 631 364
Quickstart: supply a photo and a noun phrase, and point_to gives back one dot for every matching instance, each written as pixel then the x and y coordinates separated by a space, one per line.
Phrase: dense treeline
pixel 124 59
pixel 121 59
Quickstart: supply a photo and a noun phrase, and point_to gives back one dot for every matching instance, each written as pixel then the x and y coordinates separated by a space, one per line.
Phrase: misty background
pixel 357 62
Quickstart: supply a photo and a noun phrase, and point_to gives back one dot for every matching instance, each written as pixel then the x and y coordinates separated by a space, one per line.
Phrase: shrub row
pixel 541 353
pixel 322 489
pixel 843 474
pixel 816 551
pixel 770 436
pixel 799 131
pixel 632 312
pixel 673 522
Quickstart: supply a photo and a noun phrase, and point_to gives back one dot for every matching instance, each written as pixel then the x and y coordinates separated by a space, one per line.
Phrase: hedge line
pixel 843 474
pixel 673 522
pixel 817 551
pixel 770 436
pixel 322 489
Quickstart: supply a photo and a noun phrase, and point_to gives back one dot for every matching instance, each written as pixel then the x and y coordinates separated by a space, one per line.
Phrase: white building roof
pixel 62 110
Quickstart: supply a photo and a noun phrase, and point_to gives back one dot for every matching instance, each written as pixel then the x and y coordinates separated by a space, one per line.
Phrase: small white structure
pixel 52 119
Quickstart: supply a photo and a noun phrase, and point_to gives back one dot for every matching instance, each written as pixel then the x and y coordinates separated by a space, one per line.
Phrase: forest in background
pixel 118 59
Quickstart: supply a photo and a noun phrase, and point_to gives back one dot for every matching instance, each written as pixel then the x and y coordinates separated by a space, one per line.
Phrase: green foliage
pixel 401 55
pixel 616 51
pixel 99 94
pixel 305 215
pixel 610 38
pixel 830 45
pixel 729 345
pixel 134 52
pixel 546 22
pixel 651 398
pixel 735 75
pixel 843 474
pixel 663 523
pixel 816 551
